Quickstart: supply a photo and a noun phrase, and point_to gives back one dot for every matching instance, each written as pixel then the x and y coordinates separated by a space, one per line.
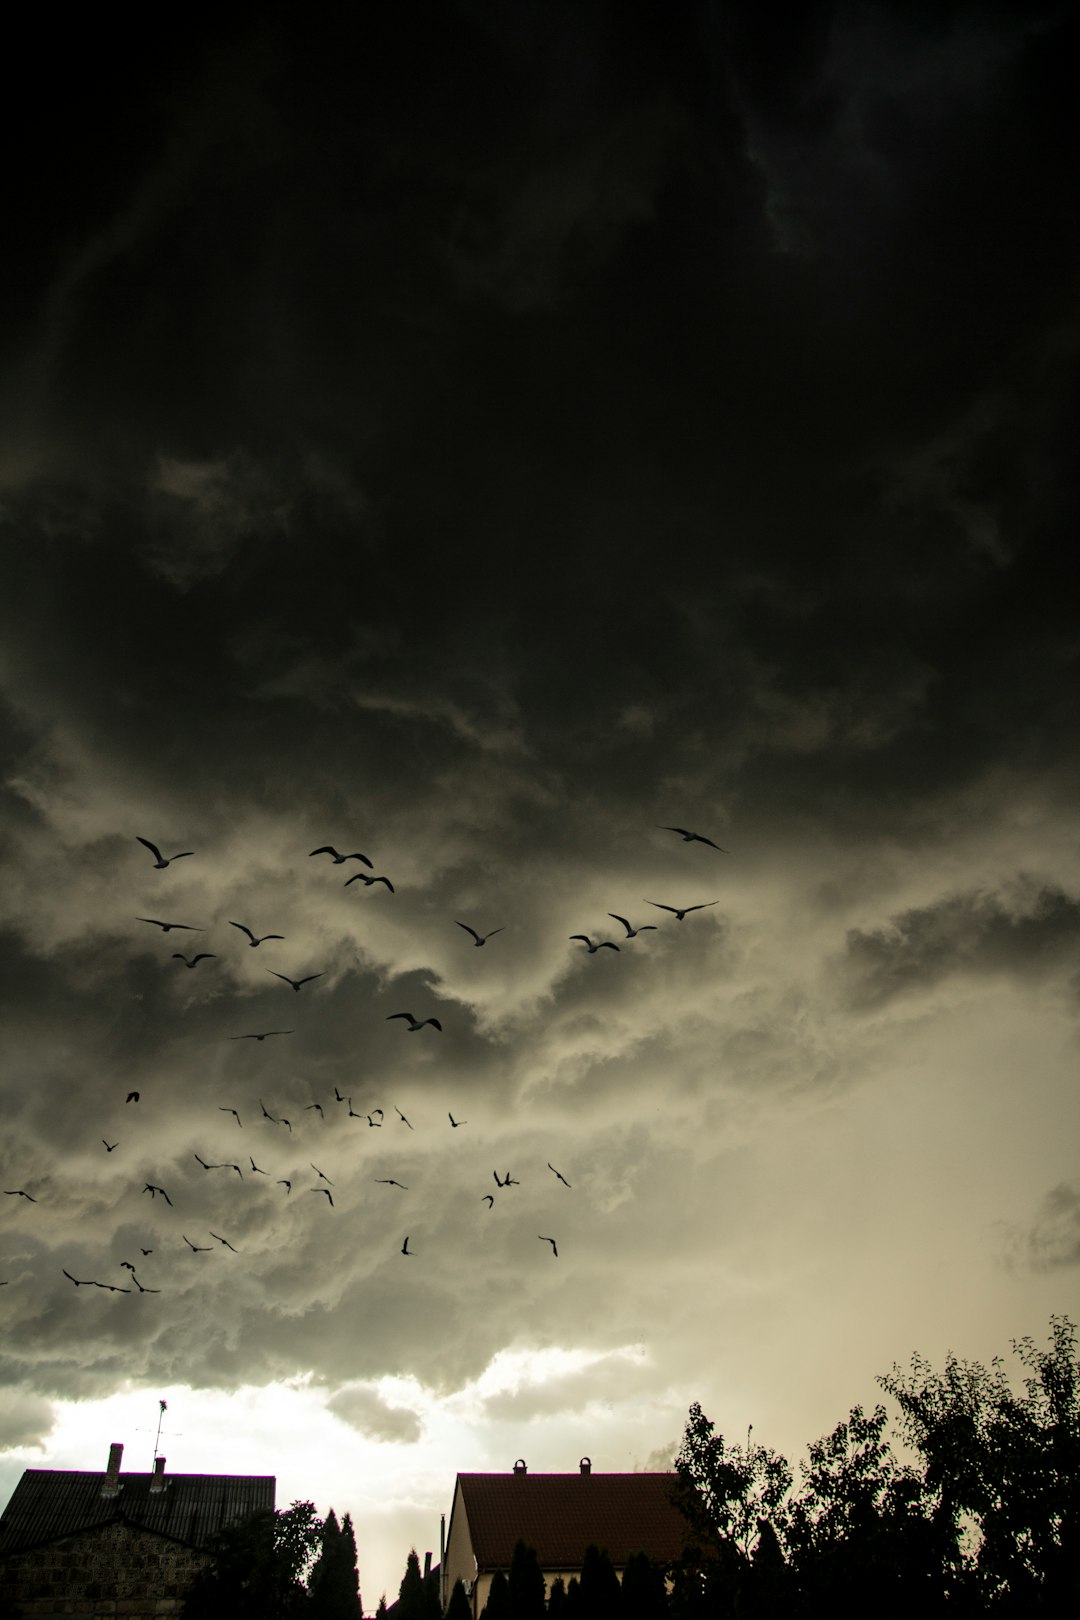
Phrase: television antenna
pixel 163 1407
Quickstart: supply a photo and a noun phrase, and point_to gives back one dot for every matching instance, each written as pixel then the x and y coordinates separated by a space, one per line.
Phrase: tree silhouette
pixel 525 1584
pixel 1006 1464
pixel 459 1607
pixel 334 1586
pixel 643 1593
pixel 601 1597
pixel 497 1606
pixel 258 1567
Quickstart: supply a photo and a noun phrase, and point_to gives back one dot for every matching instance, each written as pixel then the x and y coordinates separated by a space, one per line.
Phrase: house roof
pixel 562 1514
pixel 48 1503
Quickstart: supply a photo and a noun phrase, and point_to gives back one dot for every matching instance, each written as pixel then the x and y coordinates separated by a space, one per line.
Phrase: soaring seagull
pixel 632 933
pixel 479 939
pixel 296 983
pixel 161 861
pixel 339 860
pixel 681 911
pixel 693 838
pixel 604 944
pixel 252 940
pixel 189 928
pixel 363 878
pixel 414 1023
pixel 190 962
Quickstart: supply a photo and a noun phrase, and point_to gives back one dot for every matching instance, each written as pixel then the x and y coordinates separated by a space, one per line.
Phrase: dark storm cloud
pixel 1031 932
pixel 476 438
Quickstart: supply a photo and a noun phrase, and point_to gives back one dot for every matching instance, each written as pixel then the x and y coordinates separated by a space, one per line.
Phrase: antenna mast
pixel 157 1437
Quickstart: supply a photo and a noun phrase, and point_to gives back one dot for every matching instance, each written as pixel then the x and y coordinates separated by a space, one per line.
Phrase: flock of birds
pixel 376 1117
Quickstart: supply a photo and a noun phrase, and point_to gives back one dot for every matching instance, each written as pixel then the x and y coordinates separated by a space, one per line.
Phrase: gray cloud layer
pixel 633 423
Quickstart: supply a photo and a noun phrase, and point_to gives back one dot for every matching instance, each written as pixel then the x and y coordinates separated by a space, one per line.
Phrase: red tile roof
pixel 562 1514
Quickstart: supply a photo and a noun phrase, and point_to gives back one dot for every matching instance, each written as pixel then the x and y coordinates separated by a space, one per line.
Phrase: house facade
pixel 560 1515
pixel 88 1544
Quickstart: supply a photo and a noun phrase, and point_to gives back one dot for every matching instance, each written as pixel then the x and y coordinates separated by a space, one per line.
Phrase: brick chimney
pixel 585 1465
pixel 158 1481
pixel 110 1485
pixel 519 1466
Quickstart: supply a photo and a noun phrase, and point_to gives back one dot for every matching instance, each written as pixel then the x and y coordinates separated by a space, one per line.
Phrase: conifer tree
pixel 334 1586
pixel 601 1596
pixel 526 1584
pixel 459 1607
pixel 411 1596
pixel 643 1594
pixel 497 1606
pixel 556 1607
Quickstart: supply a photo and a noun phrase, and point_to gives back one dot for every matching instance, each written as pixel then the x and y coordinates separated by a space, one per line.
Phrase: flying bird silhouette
pixel 140 1287
pixel 256 1169
pixel 296 983
pixel 226 1242
pixel 456 1122
pixel 373 1123
pixel 200 956
pixel 286 1184
pixel 324 1190
pixel 263 1036
pixel 558 1173
pixel 153 1191
pixel 203 1163
pixel 388 1181
pixel 132 1096
pixel 322 1175
pixel 488 1199
pixel 554 1250
pixel 480 939
pixel 604 944
pixel 17 1192
pixel 339 860
pixel 681 911
pixel 265 1112
pixel 693 838
pixel 161 861
pixel 632 933
pixel 166 927
pixel 339 1097
pixel 110 1145
pixel 405 1248
pixel 196 1248
pixel 232 1111
pixel 252 940
pixel 362 877
pixel 80 1282
pixel 402 1118
pixel 146 1251
pixel 414 1023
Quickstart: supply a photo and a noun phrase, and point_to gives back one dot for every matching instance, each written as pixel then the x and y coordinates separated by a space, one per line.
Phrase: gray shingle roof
pixel 48 1503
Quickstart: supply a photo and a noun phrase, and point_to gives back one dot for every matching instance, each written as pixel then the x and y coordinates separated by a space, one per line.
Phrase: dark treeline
pixel 280 1564
pixel 981 1516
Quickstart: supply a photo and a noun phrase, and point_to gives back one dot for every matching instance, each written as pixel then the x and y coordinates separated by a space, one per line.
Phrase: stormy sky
pixel 483 437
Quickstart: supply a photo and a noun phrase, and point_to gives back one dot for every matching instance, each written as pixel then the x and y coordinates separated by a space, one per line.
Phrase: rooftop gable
pixel 49 1503
pixel 562 1514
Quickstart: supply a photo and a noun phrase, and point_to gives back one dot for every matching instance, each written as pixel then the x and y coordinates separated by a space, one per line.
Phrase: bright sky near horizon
pixel 484 440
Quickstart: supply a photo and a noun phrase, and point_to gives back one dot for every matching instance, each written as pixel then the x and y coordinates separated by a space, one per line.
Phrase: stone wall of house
pixel 116 1569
